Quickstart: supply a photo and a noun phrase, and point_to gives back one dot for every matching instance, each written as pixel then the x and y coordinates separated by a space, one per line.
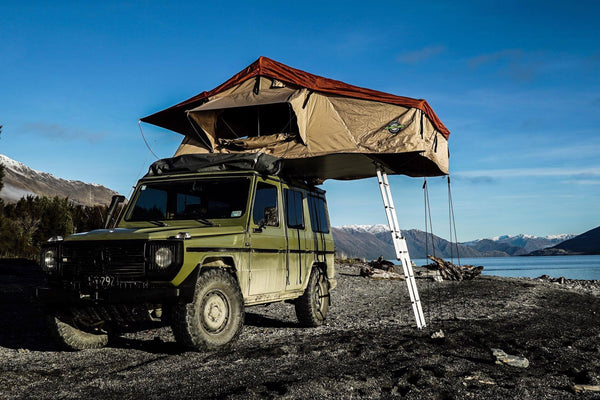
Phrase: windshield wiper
pixel 205 221
pixel 158 223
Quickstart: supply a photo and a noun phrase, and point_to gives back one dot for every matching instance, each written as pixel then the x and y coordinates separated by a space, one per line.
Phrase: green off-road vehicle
pixel 202 238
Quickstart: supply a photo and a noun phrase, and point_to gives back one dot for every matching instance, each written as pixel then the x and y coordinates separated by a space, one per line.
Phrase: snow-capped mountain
pixel 586 243
pixel 374 229
pixel 20 181
pixel 526 243
pixel 371 241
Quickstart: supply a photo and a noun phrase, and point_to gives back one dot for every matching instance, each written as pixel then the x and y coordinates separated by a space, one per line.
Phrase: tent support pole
pixel 400 245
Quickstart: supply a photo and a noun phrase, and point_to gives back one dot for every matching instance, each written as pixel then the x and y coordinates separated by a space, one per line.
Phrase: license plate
pixel 103 281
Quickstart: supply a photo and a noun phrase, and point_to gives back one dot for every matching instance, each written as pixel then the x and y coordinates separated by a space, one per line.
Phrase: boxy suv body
pixel 197 247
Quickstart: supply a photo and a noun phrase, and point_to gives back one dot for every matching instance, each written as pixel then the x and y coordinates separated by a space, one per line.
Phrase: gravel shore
pixel 369 347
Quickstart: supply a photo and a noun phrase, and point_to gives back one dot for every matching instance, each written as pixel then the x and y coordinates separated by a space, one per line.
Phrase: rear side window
pixel 318 214
pixel 293 209
pixel 265 205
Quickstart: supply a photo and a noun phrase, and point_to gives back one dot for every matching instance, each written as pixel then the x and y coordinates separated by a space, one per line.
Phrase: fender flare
pixel 188 286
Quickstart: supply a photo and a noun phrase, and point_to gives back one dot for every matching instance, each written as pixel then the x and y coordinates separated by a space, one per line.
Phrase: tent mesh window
pixel 254 121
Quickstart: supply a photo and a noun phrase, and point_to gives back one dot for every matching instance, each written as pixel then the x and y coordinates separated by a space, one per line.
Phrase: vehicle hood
pixel 154 233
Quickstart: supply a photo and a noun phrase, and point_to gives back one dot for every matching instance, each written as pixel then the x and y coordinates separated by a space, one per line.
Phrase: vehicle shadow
pixel 261 321
pixel 155 345
pixel 149 339
pixel 23 322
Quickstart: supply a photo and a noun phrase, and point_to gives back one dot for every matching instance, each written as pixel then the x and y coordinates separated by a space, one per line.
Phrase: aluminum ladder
pixel 400 245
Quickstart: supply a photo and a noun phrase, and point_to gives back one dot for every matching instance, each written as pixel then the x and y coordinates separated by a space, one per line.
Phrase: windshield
pixel 199 199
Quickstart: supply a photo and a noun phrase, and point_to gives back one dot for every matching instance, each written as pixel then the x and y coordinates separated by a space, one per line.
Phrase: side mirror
pixel 270 219
pixel 261 225
pixel 114 203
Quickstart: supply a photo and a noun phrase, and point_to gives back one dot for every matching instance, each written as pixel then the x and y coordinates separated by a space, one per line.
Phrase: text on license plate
pixel 102 281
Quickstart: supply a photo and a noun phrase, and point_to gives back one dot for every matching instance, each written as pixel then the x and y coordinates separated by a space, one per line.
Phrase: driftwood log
pixel 452 272
pixel 584 388
pixel 380 269
pixel 382 264
pixel 376 273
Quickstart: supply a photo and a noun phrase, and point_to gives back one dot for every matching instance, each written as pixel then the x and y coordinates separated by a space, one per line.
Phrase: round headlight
pixel 49 259
pixel 163 257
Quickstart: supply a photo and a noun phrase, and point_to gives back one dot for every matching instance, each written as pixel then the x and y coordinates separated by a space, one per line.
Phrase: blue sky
pixel 516 82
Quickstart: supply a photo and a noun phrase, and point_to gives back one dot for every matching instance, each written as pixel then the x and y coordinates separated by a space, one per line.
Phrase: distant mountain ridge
pixel 586 243
pixel 20 181
pixel 372 241
pixel 519 244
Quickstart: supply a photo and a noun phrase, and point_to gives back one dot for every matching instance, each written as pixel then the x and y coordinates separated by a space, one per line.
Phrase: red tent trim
pixel 272 69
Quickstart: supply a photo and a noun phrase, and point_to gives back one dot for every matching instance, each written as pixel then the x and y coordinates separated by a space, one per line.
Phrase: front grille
pixel 124 260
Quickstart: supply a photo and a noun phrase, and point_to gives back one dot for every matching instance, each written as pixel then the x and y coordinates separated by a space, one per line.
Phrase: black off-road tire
pixel 215 317
pixel 313 305
pixel 73 335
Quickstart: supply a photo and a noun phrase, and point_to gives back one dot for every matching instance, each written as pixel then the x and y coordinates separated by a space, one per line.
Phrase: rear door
pixel 298 246
pixel 319 222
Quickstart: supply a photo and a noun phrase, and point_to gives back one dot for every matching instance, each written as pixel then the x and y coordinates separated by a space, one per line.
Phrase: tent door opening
pixel 256 121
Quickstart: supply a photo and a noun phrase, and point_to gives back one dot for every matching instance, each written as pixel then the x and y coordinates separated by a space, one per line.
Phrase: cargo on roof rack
pixel 259 162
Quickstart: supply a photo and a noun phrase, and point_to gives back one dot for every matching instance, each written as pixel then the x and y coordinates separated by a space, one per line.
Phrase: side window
pixel 318 214
pixel 293 209
pixel 265 210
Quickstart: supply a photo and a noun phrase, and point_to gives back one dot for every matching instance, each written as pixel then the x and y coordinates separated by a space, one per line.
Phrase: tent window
pixel 253 121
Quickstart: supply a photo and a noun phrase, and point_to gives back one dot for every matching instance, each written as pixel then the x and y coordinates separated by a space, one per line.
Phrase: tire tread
pixel 305 309
pixel 183 315
pixel 71 338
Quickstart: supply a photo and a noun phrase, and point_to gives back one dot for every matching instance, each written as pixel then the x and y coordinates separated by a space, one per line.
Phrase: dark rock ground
pixel 369 347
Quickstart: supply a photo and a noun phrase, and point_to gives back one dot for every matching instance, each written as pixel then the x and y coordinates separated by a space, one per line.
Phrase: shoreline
pixel 544 277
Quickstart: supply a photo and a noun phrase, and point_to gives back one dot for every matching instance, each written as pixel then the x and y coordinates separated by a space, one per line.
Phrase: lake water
pixel 571 267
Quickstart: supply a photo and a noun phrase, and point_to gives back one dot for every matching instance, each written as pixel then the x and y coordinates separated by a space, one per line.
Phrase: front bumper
pixel 70 297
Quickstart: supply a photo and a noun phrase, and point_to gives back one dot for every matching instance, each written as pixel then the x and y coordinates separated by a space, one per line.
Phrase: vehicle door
pixel 296 233
pixel 267 240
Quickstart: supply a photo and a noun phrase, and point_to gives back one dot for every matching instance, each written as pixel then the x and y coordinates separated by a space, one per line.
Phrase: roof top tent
pixel 320 129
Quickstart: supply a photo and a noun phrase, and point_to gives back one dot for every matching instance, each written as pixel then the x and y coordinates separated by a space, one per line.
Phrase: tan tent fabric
pixel 243 95
pixel 326 131
pixel 172 117
pixel 334 132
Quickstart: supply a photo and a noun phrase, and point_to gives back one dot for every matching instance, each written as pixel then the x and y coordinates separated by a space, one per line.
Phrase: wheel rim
pixel 214 311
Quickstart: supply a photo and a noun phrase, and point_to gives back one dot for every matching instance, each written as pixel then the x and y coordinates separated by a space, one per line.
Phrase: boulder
pixel 513 361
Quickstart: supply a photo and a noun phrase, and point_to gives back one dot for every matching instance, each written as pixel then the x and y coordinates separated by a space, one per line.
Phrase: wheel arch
pixel 315 265
pixel 188 286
